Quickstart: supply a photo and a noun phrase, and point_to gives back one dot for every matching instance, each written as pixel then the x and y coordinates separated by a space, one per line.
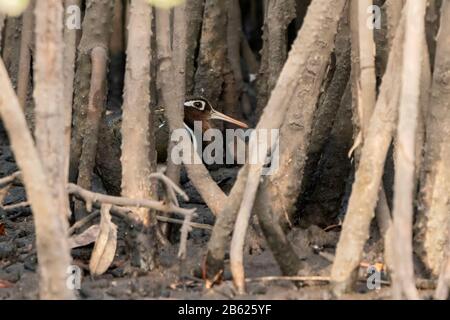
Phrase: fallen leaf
pixel 87 237
pixel 2 229
pixel 5 284
pixel 105 245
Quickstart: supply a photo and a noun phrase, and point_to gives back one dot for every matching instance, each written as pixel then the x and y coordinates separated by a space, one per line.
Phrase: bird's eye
pixel 198 105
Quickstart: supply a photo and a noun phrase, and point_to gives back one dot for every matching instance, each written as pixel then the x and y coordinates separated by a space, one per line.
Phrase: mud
pixel 173 279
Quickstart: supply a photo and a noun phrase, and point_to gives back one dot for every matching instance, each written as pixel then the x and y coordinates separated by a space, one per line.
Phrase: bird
pixel 199 109
pixel 196 109
pixel 108 164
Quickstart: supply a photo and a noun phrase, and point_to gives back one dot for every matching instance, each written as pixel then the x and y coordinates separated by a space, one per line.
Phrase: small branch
pixel 96 198
pixel 127 216
pixel 184 236
pixel 302 278
pixel 289 278
pixel 170 185
pixel 12 207
pixel 10 179
pixel 192 224
pixel 81 223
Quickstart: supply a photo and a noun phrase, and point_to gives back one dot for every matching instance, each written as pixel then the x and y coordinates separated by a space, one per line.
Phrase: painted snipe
pixel 108 163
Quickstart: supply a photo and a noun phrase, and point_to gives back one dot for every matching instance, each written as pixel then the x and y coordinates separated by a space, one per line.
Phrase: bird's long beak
pixel 220 116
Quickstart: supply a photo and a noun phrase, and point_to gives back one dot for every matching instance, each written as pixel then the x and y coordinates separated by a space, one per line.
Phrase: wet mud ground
pixel 173 280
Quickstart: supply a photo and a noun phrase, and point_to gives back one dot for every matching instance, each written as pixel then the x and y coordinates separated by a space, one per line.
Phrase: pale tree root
pixel 97 98
pixel 51 241
pixel 404 183
pixel 214 262
pixel 283 251
pixel 430 235
pixel 89 91
pixel 363 199
pixel 283 104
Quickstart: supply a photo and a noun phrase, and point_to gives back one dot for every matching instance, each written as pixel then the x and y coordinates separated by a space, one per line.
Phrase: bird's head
pixel 199 109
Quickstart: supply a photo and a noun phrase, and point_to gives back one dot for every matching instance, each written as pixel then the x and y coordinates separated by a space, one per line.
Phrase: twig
pixel 170 185
pixel 81 223
pixel 303 278
pixel 11 178
pixel 124 214
pixel 4 192
pixel 184 235
pixel 12 207
pixel 289 278
pixel 91 197
pixel 192 224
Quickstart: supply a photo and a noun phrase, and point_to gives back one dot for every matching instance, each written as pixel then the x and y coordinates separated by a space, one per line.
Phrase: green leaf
pixel 165 4
pixel 13 7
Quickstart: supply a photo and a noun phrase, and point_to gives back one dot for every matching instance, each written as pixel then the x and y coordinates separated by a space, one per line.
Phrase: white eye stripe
pixel 194 104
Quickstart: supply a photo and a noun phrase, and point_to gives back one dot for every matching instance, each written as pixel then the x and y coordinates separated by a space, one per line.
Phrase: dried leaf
pixel 5 284
pixel 87 237
pixel 105 245
pixel 2 229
